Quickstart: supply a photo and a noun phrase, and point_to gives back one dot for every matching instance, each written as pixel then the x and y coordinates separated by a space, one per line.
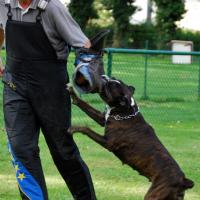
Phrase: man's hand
pixel 87 44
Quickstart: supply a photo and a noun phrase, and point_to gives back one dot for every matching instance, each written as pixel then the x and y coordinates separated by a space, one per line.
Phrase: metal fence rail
pixel 164 91
pixel 161 63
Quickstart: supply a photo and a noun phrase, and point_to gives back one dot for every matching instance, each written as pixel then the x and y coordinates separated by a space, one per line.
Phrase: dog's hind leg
pixel 91 134
pixel 158 191
pixel 164 192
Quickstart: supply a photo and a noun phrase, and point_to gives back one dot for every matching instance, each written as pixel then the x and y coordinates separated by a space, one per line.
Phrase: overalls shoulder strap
pixel 41 7
pixel 7 4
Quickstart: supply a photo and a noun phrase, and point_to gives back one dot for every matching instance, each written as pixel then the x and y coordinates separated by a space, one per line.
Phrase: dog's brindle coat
pixel 134 141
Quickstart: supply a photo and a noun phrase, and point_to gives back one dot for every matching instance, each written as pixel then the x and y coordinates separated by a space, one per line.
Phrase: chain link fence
pixel 165 91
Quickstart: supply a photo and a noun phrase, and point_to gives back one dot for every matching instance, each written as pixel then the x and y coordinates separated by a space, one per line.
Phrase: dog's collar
pixel 118 117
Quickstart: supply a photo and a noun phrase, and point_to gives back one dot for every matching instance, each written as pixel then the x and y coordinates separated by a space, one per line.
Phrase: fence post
pixel 145 77
pixel 109 64
pixel 145 71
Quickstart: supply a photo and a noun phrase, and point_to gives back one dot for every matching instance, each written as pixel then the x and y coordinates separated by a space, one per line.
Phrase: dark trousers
pixel 34 105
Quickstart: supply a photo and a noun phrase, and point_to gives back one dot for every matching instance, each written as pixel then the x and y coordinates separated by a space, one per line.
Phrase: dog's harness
pixel 119 117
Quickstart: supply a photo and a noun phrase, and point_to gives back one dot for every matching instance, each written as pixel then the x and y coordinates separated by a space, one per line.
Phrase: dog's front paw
pixel 72 93
pixel 70 88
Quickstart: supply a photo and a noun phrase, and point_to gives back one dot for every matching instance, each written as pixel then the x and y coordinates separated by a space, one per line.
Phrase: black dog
pixel 134 141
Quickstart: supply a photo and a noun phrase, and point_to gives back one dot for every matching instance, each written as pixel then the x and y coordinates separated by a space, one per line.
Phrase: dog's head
pixel 116 93
pixel 89 65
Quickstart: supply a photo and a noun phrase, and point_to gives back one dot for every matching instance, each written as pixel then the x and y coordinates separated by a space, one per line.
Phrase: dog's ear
pixel 132 89
pixel 98 40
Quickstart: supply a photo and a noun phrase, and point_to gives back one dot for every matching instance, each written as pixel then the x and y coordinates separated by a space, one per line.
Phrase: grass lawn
pixel 172 109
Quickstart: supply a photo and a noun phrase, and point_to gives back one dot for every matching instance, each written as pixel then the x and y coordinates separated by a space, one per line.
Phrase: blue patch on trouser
pixel 26 182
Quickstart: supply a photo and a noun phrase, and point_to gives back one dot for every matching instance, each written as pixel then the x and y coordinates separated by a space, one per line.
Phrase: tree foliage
pixel 82 11
pixel 121 11
pixel 168 13
pixel 116 14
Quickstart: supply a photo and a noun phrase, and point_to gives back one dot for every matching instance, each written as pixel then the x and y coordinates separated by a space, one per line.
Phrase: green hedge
pixel 142 36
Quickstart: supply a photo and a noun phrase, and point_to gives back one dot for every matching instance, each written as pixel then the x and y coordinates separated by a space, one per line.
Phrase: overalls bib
pixel 35 98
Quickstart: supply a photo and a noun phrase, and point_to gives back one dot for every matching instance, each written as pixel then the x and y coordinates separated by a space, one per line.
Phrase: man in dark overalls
pixel 38 34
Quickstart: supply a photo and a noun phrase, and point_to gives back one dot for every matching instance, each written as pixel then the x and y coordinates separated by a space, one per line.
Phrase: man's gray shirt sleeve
pixel 62 28
pixel 58 24
pixel 65 25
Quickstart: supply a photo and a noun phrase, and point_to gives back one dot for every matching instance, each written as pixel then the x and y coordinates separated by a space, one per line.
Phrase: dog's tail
pixel 187 183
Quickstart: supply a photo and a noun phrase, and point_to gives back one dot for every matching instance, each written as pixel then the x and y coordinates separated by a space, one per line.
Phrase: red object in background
pixel 1 72
pixel 25 4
